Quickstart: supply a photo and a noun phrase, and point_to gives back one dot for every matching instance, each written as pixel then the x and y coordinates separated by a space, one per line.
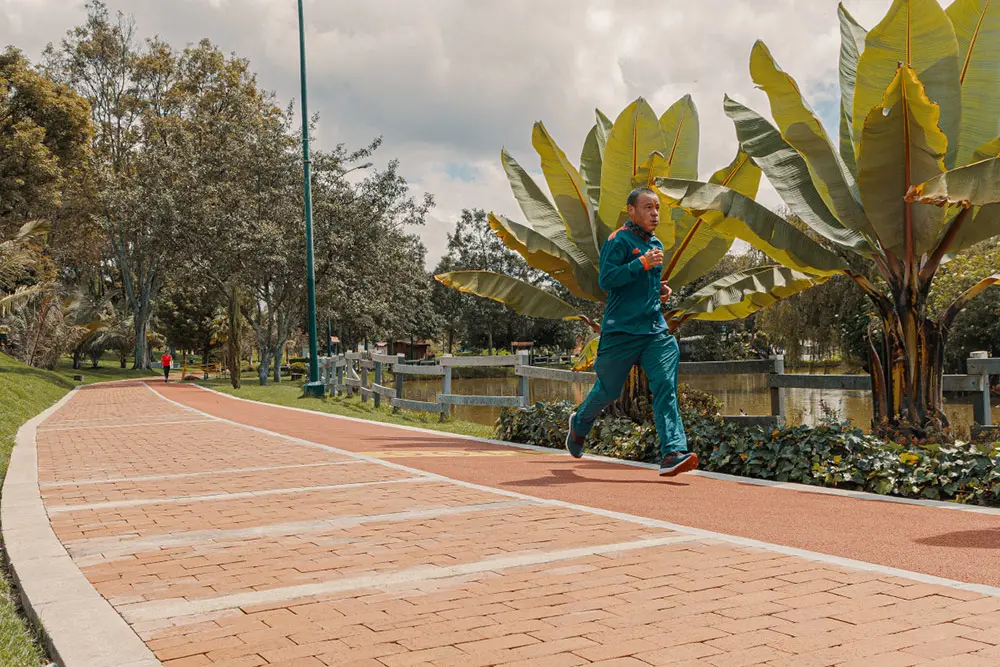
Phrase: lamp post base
pixel 314 389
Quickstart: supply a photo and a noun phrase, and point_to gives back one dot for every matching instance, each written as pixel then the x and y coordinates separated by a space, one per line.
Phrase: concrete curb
pixel 787 486
pixel 79 627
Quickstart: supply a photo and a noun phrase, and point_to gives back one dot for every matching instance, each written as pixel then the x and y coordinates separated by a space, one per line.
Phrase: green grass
pixel 108 370
pixel 24 392
pixel 289 394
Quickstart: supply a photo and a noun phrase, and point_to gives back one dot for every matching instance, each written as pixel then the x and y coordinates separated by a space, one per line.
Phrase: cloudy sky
pixel 447 83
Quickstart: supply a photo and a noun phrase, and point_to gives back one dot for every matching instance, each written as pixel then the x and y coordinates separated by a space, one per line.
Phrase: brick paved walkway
pixel 222 544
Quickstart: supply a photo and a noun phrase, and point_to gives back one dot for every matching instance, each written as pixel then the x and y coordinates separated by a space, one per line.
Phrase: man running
pixel 634 331
pixel 165 361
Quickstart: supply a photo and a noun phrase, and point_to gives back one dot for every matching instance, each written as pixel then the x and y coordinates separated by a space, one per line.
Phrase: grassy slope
pixel 24 392
pixel 290 394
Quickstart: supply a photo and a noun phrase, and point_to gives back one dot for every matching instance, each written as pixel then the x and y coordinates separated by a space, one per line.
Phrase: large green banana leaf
pixel 975 185
pixel 789 174
pixel 592 159
pixel 977 26
pixel 653 167
pixel 802 129
pixel 919 34
pixel 588 354
pixel 744 293
pixel 569 191
pixel 852 45
pixel 698 246
pixel 985 223
pixel 539 211
pixel 518 295
pixel 902 145
pixel 635 135
pixel 682 133
pixel 541 253
pixel 968 295
pixel 757 225
pixel 987 150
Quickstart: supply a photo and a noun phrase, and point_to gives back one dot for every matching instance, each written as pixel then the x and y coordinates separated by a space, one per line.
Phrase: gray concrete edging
pixel 79 627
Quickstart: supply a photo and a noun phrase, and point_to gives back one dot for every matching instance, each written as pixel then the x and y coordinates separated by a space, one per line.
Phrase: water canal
pixel 748 393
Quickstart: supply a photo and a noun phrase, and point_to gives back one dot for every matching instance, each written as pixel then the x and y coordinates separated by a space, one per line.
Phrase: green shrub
pixel 831 454
pixel 298 367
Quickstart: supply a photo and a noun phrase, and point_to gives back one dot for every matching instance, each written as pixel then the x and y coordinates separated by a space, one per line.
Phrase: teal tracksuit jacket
pixel 634 331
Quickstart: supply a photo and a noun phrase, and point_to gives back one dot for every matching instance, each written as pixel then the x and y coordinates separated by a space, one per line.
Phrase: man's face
pixel 646 212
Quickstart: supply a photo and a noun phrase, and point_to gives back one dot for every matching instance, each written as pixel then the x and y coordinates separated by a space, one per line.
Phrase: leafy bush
pixel 298 367
pixel 831 454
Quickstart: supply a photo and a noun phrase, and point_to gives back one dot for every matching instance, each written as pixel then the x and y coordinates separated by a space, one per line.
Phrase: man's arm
pixel 618 270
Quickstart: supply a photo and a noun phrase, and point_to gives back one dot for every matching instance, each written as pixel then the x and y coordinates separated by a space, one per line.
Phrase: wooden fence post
pixel 446 389
pixel 523 381
pixel 398 377
pixel 363 373
pixel 778 406
pixel 340 374
pixel 981 401
pixel 378 381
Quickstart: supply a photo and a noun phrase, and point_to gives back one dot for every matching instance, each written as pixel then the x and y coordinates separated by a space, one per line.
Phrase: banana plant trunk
pixel 907 374
pixel 635 402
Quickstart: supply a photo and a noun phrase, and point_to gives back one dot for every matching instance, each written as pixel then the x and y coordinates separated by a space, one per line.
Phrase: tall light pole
pixel 314 387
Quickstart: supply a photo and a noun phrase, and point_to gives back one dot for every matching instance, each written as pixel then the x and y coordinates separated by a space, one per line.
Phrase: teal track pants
pixel 658 354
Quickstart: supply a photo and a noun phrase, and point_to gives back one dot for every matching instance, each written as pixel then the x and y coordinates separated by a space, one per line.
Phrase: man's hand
pixel 653 258
pixel 665 292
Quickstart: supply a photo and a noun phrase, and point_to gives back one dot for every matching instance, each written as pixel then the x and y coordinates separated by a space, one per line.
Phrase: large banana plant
pixel 563 236
pixel 912 179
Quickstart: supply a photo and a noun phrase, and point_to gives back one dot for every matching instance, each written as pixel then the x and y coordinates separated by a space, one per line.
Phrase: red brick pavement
pixel 328 559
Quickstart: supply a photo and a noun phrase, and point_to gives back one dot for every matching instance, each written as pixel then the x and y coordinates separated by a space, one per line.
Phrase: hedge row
pixel 834 454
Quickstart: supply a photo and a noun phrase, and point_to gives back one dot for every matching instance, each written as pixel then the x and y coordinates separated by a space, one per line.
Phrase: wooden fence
pixel 349 373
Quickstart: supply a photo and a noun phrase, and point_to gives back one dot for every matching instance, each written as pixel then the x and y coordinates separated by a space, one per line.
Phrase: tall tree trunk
pixel 451 339
pixel 141 347
pixel 235 342
pixel 277 367
pixel 77 354
pixel 265 365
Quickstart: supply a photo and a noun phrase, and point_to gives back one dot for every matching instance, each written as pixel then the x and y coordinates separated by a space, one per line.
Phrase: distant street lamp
pixel 314 387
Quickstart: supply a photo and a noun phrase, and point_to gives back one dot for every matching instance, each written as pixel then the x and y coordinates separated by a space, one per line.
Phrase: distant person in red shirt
pixel 165 361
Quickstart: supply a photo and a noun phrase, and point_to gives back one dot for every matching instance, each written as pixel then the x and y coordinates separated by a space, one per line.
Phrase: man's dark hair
pixel 633 197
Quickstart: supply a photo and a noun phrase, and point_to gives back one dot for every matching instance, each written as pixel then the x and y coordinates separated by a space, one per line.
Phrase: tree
pixel 369 268
pixel 19 281
pixel 916 179
pixel 140 177
pixel 564 239
pixel 977 327
pixel 186 314
pixel 45 135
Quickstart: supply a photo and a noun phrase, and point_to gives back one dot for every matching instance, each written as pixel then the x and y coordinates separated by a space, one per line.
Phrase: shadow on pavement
pixel 560 477
pixel 965 539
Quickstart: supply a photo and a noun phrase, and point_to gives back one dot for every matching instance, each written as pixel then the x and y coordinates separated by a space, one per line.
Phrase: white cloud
pixel 448 82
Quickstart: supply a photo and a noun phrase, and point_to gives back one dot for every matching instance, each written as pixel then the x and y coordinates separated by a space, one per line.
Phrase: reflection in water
pixel 747 392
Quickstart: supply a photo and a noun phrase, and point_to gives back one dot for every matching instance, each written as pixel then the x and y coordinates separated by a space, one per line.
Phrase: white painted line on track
pixel 184 475
pixel 217 497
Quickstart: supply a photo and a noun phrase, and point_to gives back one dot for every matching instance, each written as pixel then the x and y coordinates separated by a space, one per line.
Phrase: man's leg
pixel 616 355
pixel 660 361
